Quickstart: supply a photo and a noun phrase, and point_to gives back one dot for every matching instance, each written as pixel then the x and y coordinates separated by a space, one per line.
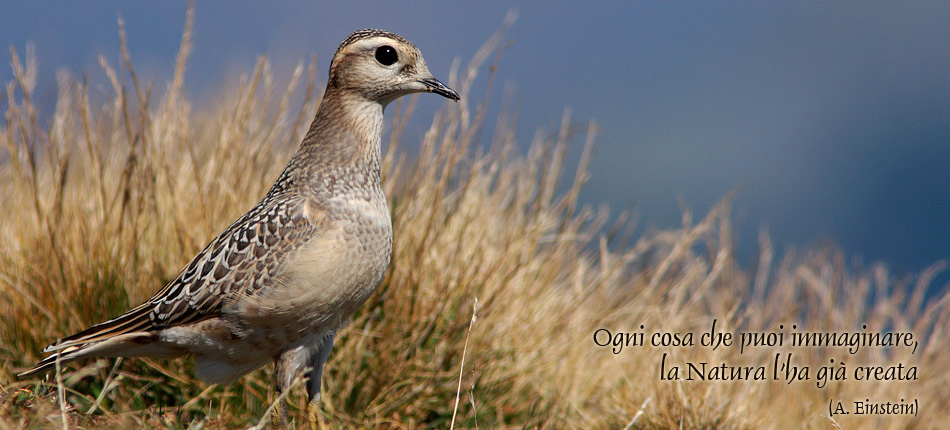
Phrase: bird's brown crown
pixel 369 33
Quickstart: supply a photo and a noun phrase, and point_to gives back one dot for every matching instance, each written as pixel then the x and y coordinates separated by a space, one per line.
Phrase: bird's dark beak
pixel 434 86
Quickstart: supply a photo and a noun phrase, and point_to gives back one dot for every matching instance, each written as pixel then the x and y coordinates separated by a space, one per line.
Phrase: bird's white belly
pixel 221 357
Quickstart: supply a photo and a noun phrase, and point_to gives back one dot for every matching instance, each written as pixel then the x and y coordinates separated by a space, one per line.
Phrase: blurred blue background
pixel 833 116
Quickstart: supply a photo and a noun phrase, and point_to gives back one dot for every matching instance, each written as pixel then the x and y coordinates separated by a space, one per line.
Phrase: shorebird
pixel 278 282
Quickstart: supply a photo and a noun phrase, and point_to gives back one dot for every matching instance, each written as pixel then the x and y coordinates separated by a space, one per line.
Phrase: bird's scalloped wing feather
pixel 240 261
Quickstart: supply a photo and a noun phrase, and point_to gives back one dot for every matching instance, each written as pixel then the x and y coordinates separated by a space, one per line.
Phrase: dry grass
pixel 107 201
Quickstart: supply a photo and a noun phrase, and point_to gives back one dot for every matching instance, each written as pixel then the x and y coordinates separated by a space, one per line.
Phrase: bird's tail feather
pixel 125 345
pixel 135 320
pixel 123 336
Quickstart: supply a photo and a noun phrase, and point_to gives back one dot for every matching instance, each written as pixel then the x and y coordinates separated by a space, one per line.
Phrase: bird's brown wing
pixel 239 261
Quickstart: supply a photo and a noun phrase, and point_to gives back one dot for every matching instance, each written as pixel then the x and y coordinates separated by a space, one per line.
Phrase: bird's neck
pixel 347 127
pixel 342 146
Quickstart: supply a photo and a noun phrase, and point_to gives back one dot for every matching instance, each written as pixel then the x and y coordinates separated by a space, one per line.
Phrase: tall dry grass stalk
pixel 102 204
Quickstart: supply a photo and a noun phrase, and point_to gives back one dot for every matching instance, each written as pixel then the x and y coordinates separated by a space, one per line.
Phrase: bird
pixel 277 284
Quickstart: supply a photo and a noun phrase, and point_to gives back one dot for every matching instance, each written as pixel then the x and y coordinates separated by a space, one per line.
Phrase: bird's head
pixel 382 66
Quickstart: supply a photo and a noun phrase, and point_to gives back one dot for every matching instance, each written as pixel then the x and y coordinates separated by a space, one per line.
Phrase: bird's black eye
pixel 386 55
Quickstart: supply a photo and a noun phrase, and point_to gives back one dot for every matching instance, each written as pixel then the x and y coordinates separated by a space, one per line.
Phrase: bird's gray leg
pixel 286 367
pixel 315 375
pixel 278 415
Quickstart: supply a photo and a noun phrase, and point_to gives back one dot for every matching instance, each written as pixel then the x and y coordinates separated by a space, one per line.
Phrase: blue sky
pixel 834 117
